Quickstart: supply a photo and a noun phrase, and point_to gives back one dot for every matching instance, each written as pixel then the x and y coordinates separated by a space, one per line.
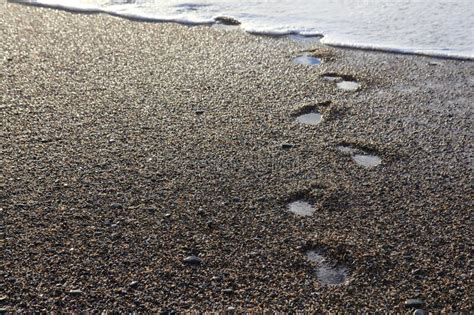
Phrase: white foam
pixel 441 28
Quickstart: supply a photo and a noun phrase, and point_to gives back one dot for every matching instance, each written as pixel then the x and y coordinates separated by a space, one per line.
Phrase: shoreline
pixel 152 167
pixel 218 20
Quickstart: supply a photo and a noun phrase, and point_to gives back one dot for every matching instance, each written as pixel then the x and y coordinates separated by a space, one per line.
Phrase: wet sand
pixel 128 147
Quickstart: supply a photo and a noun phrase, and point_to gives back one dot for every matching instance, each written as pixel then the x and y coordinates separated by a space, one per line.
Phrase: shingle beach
pixel 150 167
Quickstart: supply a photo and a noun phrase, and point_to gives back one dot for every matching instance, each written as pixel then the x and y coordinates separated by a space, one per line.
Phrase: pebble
pixel 199 112
pixel 418 312
pixel 287 145
pixel 116 206
pixel 413 303
pixel 133 284
pixel 75 292
pixel 152 210
pixel 192 260
pixel 228 291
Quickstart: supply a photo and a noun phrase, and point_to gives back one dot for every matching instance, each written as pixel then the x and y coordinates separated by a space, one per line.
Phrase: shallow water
pixel 301 208
pixel 310 118
pixel 325 272
pixel 307 60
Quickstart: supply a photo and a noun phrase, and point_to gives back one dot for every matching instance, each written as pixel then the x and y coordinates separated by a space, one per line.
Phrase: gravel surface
pixel 149 167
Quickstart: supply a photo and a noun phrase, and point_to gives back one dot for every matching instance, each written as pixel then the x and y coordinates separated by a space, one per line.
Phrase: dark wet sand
pixel 129 146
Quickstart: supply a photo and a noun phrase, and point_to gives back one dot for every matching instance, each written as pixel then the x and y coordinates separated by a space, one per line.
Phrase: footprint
pixel 343 81
pixel 314 56
pixel 310 114
pixel 327 273
pixel 301 207
pixel 312 118
pixel 362 156
pixel 367 160
pixel 306 59
pixel 306 201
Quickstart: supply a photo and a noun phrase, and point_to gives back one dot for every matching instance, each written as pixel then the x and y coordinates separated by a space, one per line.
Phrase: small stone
pixel 418 272
pixel 116 206
pixel 418 312
pixel 133 284
pixel 228 291
pixel 75 292
pixel 414 303
pixel 192 260
pixel 199 111
pixel 152 210
pixel 231 309
pixel 236 199
pixel 287 145
pixel 167 215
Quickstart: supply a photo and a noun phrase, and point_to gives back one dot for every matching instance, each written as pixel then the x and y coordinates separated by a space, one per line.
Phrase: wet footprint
pixel 301 208
pixel 359 155
pixel 313 57
pixel 312 118
pixel 311 114
pixel 343 82
pixel 326 272
pixel 306 59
